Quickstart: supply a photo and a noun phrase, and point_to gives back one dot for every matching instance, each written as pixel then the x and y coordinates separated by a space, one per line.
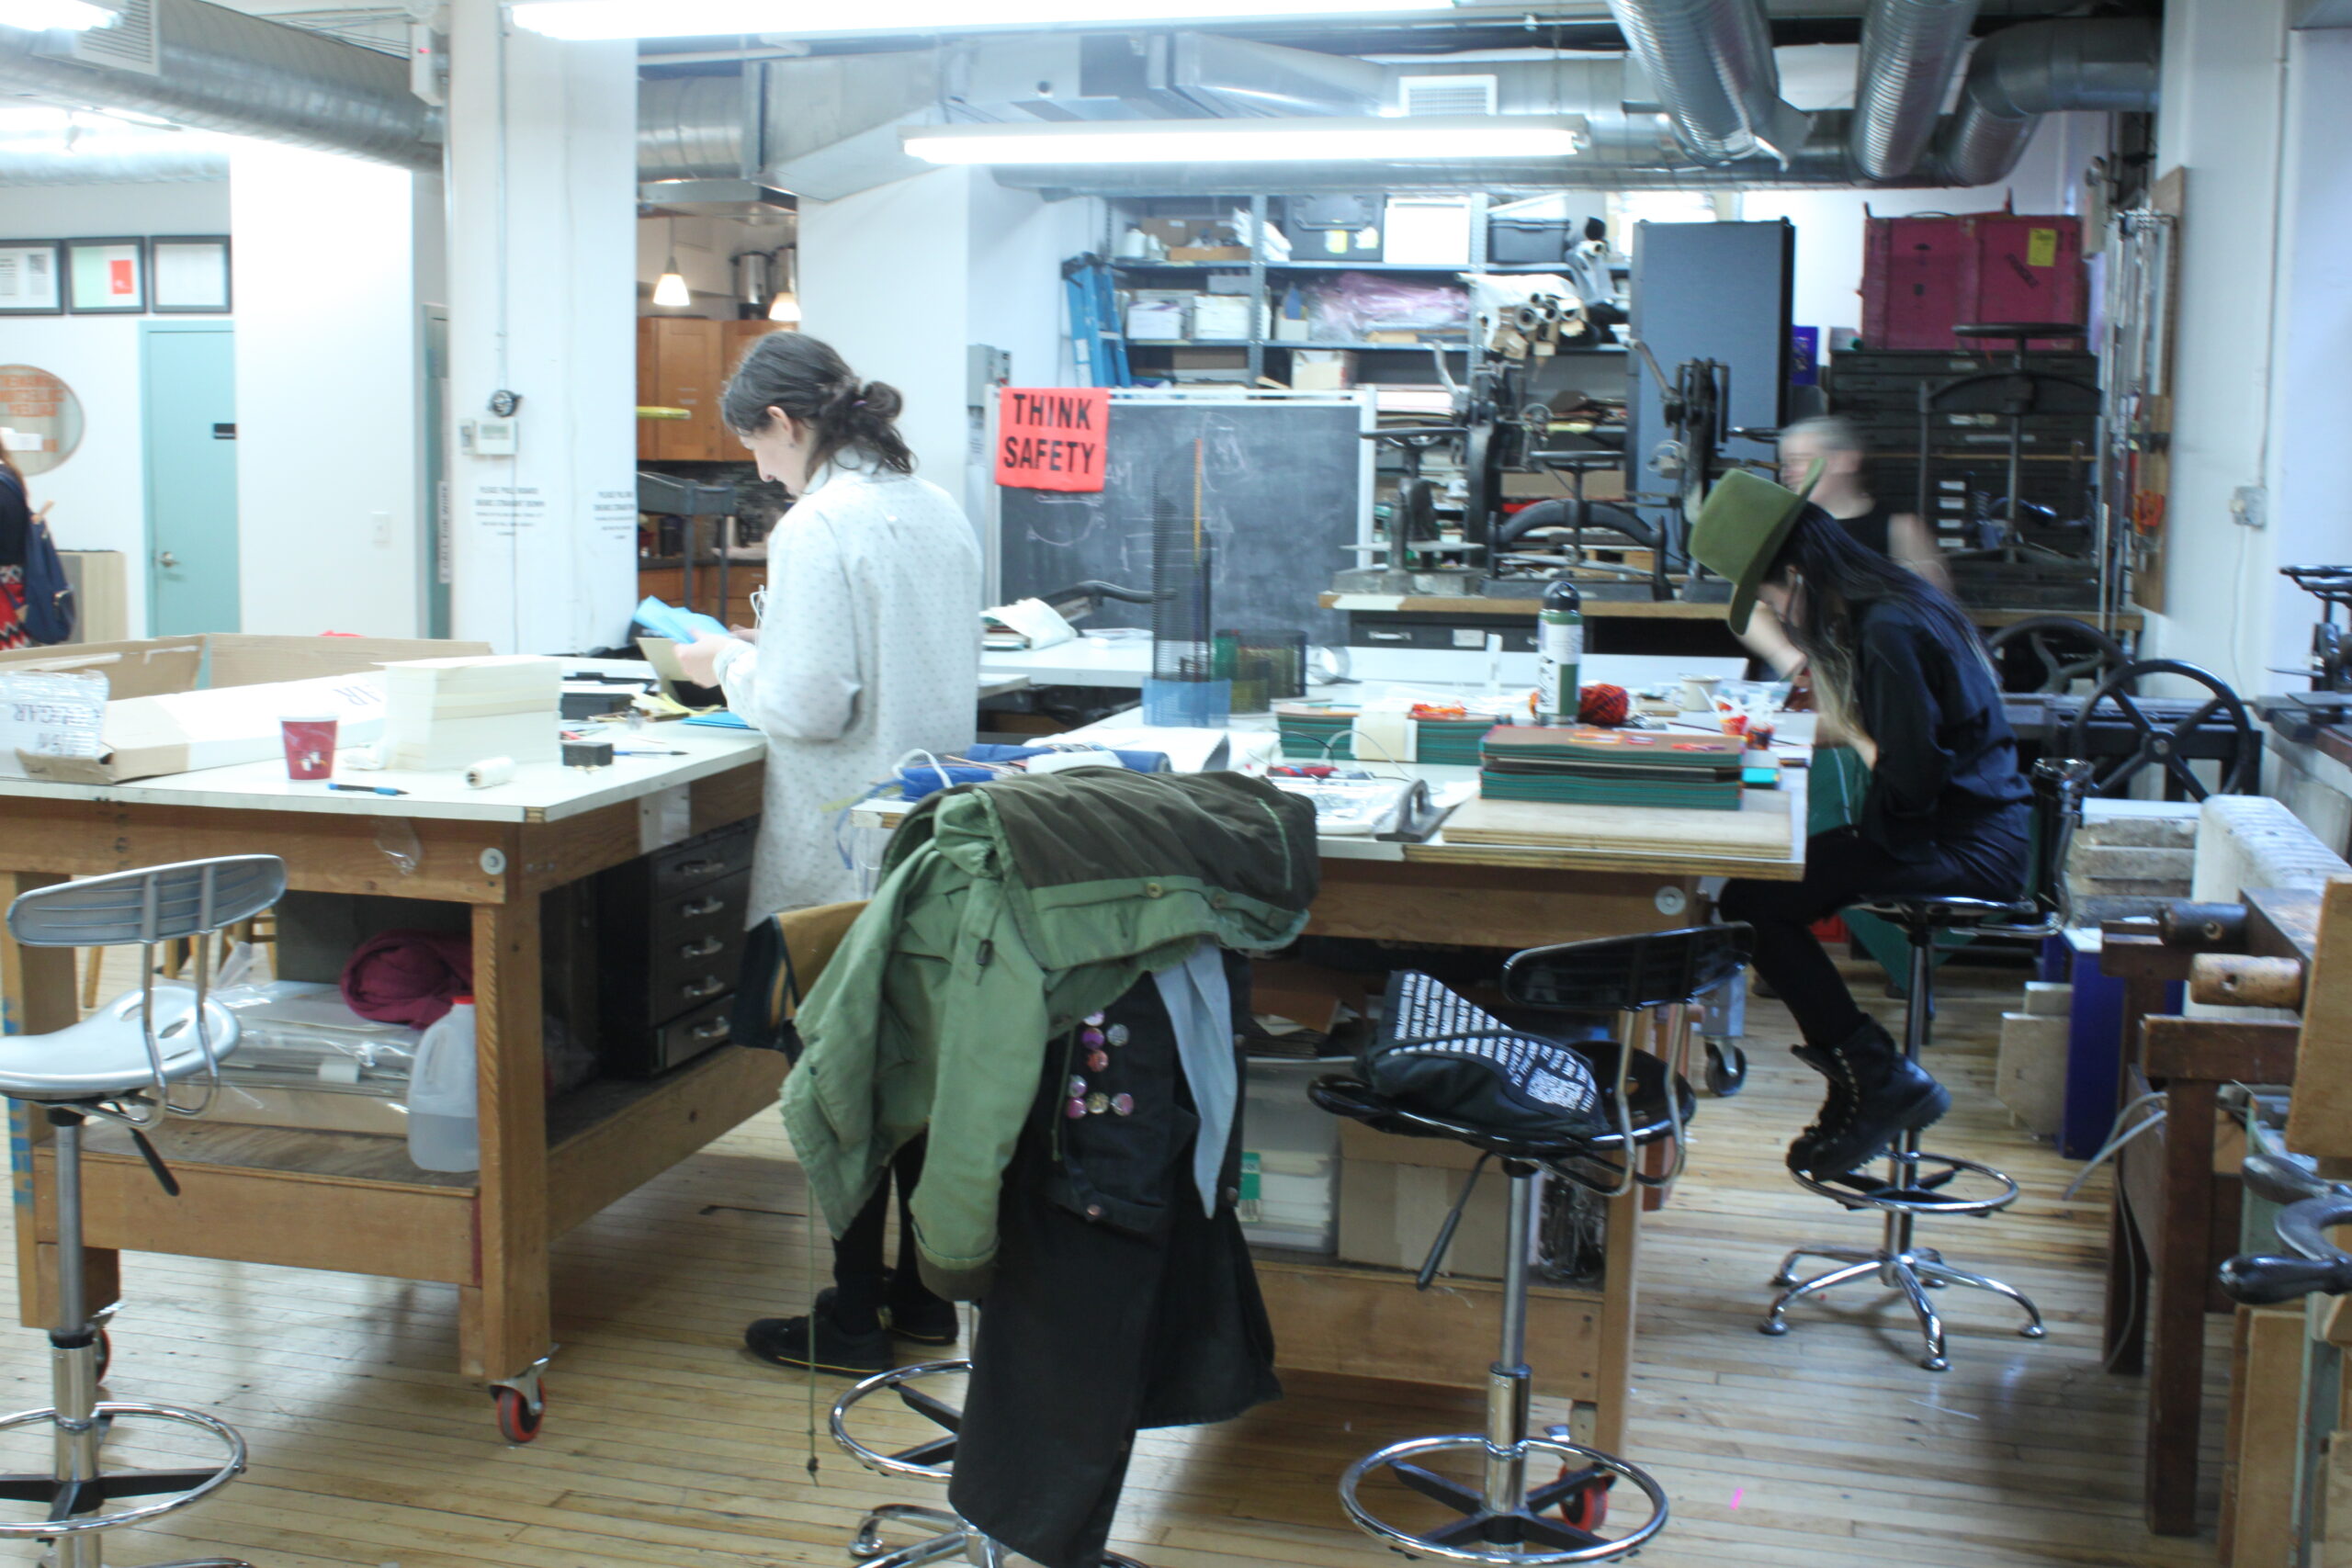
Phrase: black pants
pixel 860 1278
pixel 1091 1330
pixel 1840 867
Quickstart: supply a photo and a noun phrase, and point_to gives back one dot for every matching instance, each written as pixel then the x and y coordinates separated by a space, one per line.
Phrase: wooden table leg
pixel 503 1320
pixel 37 998
pixel 1612 1378
pixel 2176 1316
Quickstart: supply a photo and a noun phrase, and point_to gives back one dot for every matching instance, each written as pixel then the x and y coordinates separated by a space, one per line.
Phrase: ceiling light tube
pixel 1433 139
pixel 585 19
pixel 56 16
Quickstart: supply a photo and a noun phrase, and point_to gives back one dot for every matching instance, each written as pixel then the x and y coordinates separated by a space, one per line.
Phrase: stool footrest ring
pixel 1921 1190
pixel 190 1486
pixel 906 1462
pixel 1517 1538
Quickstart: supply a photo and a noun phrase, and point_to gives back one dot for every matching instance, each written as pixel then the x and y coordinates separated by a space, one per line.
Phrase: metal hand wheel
pixel 2166 746
pixel 2063 648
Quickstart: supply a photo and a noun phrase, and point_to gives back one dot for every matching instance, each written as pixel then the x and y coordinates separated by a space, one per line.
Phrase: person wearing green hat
pixel 1901 674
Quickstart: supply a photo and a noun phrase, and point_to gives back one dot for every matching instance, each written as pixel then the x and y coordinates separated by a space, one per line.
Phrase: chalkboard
pixel 1280 492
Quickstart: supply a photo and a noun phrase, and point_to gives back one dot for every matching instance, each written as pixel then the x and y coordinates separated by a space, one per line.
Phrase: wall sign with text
pixel 1052 437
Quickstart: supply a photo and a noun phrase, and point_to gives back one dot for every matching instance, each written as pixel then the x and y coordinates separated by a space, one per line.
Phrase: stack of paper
pixel 1612 767
pixel 1024 624
pixel 451 713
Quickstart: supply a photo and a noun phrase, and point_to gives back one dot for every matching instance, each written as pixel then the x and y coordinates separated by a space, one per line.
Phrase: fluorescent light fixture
pixel 56 16
pixel 821 18
pixel 1430 139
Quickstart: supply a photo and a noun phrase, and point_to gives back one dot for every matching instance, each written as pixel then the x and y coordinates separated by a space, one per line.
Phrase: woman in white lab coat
pixel 868 648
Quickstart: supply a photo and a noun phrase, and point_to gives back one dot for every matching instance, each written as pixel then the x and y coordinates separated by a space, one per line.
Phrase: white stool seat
pixel 106 1054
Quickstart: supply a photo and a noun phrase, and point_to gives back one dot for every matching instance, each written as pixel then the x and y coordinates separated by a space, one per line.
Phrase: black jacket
pixel 1947 759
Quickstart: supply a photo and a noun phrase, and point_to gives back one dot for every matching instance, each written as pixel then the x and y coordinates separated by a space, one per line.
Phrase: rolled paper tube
pixel 489 772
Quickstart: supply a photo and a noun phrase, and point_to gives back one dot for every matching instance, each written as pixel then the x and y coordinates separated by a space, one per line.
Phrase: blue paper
pixel 724 718
pixel 678 626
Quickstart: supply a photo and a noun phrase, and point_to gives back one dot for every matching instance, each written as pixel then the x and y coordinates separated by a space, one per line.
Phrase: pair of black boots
pixel 842 1338
pixel 1876 1095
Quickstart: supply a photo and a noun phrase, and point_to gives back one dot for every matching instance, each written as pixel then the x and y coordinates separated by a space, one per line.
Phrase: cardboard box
pixel 1208 252
pixel 2030 1075
pixel 1156 321
pixel 178 704
pixel 1223 316
pixel 1394 1193
pixel 1322 370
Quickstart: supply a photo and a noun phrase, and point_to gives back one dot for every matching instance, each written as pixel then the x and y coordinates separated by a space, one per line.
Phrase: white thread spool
pixel 489 772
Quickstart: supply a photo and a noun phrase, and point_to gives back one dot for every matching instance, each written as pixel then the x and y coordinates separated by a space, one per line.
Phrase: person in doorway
pixel 1829 454
pixel 1901 676
pixel 867 649
pixel 16 518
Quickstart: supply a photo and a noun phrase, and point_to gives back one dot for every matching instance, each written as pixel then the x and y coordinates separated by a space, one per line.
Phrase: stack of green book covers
pixel 1450 740
pixel 1316 732
pixel 1612 767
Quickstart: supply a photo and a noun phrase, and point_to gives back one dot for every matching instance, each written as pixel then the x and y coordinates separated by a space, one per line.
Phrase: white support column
pixel 542 303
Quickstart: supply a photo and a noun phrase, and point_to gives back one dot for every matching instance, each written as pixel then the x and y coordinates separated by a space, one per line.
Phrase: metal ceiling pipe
pixel 1711 62
pixel 221 70
pixel 690 127
pixel 2023 72
pixel 1911 51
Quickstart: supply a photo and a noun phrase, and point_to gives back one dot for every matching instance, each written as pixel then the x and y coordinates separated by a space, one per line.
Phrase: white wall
pixel 100 494
pixel 1830 222
pixel 328 403
pixel 2221 120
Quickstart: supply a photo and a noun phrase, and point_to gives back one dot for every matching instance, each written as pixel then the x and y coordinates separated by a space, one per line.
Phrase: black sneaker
pixel 1875 1096
pixel 784 1341
pixel 929 1321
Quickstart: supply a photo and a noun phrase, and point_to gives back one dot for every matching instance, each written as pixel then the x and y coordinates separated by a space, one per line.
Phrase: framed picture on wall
pixel 32 275
pixel 191 274
pixel 105 276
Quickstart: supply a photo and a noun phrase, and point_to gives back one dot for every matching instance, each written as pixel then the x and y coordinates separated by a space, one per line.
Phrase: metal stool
pixel 1502 1521
pixel 935 1459
pixel 1916 1182
pixel 118 1066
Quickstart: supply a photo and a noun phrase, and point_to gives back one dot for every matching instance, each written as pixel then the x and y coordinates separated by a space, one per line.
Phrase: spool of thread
pixel 489 772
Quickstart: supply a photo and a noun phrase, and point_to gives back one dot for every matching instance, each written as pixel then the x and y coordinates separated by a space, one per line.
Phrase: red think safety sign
pixel 1052 437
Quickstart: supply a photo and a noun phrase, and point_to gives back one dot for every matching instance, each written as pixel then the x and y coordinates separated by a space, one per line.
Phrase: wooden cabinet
pixel 683 362
pixel 668 584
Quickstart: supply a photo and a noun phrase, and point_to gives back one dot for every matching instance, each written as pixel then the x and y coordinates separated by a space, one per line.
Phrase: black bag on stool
pixel 1439 1054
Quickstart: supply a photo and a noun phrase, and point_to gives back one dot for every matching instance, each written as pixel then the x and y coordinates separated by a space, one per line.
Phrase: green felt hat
pixel 1740 529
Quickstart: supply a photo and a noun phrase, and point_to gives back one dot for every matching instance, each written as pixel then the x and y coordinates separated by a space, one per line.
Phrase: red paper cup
pixel 310 745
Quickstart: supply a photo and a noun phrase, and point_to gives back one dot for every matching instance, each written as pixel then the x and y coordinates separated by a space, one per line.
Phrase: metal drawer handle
pixel 698 867
pixel 715 1030
pixel 708 986
pixel 702 948
pixel 701 907
pixel 1389 637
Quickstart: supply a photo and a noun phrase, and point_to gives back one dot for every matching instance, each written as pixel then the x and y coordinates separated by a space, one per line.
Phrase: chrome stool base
pixel 953 1537
pixel 1913 1272
pixel 1529 1531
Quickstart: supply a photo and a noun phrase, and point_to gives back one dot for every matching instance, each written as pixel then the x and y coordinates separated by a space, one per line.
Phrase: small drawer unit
pixel 670 945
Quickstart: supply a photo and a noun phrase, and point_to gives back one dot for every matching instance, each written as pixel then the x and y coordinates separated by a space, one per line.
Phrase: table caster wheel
pixel 518 1422
pixel 1726 1072
pixel 1587 1508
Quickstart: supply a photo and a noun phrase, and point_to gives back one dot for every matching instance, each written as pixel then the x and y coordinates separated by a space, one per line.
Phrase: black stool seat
pixel 1651 1117
pixel 1949 909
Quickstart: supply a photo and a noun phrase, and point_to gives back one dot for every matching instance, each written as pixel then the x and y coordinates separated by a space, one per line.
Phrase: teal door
pixel 188 371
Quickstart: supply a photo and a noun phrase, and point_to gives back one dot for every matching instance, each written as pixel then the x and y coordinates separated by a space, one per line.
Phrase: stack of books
pixel 452 713
pixel 1316 732
pixel 1454 741
pixel 1612 767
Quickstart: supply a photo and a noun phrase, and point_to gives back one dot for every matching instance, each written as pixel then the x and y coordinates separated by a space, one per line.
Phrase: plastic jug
pixel 444 1129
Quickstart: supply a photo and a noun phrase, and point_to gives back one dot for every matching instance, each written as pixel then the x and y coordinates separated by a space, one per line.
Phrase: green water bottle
pixel 1559 653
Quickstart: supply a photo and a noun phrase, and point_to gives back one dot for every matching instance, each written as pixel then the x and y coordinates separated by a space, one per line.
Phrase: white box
pixel 1223 316
pixel 1155 320
pixel 1428 230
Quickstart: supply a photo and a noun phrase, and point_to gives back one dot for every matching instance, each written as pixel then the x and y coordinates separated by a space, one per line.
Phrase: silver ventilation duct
pixel 1911 51
pixel 2038 68
pixel 221 70
pixel 691 127
pixel 1711 62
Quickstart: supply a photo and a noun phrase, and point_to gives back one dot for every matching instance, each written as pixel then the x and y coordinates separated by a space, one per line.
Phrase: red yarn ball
pixel 1603 705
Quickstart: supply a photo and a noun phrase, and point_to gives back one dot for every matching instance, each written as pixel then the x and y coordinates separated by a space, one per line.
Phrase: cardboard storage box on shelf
pixel 1396 1191
pixel 1322 370
pixel 1157 320
pixel 1223 316
pixel 178 704
pixel 1290 1159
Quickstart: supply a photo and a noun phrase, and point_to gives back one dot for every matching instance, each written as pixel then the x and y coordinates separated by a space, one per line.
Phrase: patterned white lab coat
pixel 869 649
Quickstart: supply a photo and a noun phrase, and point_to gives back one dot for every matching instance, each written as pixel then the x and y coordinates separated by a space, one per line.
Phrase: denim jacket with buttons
pixel 1008 912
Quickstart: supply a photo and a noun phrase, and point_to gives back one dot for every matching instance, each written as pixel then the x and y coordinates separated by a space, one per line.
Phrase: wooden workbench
pixel 345 1201
pixel 1633 609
